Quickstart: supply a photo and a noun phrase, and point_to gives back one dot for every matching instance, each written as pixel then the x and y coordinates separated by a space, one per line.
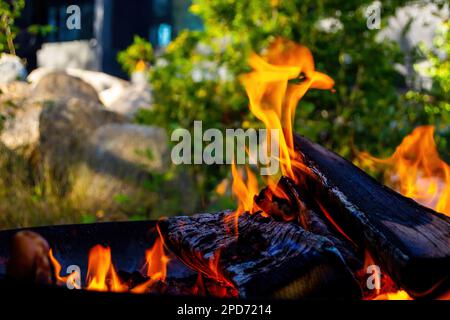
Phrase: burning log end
pixel 29 258
pixel 409 241
pixel 284 206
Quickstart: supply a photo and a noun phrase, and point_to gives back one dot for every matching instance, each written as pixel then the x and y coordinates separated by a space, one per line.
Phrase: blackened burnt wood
pixel 268 258
pixel 315 223
pixel 409 241
pixel 291 207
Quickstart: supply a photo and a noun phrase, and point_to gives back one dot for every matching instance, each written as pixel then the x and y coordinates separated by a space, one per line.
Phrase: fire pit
pixel 323 229
pixel 288 246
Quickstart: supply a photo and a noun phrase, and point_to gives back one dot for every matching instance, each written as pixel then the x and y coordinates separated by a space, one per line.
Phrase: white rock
pixel 109 88
pixel 21 132
pixel 69 54
pixel 131 99
pixel 11 68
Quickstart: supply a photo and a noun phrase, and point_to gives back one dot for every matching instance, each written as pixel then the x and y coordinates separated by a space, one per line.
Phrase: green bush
pixel 139 51
pixel 435 102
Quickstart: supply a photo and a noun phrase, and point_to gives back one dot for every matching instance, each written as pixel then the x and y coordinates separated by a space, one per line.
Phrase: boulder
pixel 20 130
pixel 120 162
pixel 12 96
pixel 132 99
pixel 15 90
pixel 57 85
pixel 116 146
pixel 108 87
pixel 19 119
pixel 11 68
pixel 65 126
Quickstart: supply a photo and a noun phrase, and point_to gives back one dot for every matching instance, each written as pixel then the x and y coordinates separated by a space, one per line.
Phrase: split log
pixel 266 258
pixel 409 241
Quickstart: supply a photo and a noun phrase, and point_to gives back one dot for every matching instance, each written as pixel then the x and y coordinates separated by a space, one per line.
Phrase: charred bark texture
pixel 267 258
pixel 410 242
pixel 291 207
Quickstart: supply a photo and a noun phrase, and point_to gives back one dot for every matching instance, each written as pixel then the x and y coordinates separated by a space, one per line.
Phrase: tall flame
pixel 417 171
pixel 279 79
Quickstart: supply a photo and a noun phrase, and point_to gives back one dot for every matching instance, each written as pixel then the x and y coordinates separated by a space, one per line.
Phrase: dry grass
pixel 29 200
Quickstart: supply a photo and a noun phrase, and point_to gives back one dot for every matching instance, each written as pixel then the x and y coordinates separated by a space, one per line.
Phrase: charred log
pixel 408 240
pixel 266 258
pixel 289 206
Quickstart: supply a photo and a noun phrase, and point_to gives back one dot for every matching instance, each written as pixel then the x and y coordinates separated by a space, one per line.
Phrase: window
pixel 57 17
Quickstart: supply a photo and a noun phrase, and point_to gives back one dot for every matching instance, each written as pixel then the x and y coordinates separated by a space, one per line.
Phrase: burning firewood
pixel 289 206
pixel 410 242
pixel 29 258
pixel 266 257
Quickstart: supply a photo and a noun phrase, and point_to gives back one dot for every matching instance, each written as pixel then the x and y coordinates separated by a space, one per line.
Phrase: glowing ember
pixel 416 170
pixel 385 288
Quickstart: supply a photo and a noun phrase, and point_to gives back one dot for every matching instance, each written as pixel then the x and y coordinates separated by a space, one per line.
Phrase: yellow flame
pixel 273 98
pixel 416 170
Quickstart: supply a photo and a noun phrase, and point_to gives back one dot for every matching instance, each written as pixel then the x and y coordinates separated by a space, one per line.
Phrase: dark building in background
pixel 108 25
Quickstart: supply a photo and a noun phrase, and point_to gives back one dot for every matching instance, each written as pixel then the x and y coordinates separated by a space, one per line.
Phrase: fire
pixel 385 287
pixel 102 275
pixel 278 81
pixel 417 171
pixel 57 270
pixel 399 295
pixel 155 267
pixel 244 193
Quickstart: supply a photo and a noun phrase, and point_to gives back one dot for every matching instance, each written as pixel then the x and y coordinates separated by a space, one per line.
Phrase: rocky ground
pixel 70 152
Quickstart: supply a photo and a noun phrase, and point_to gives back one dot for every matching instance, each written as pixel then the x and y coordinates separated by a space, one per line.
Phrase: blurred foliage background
pixel 372 109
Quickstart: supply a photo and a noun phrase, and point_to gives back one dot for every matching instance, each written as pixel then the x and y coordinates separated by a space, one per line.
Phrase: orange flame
pixel 417 171
pixel 243 191
pixel 61 280
pixel 279 79
pixel 222 287
pixel 102 276
pixel 156 267
pixel 273 98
